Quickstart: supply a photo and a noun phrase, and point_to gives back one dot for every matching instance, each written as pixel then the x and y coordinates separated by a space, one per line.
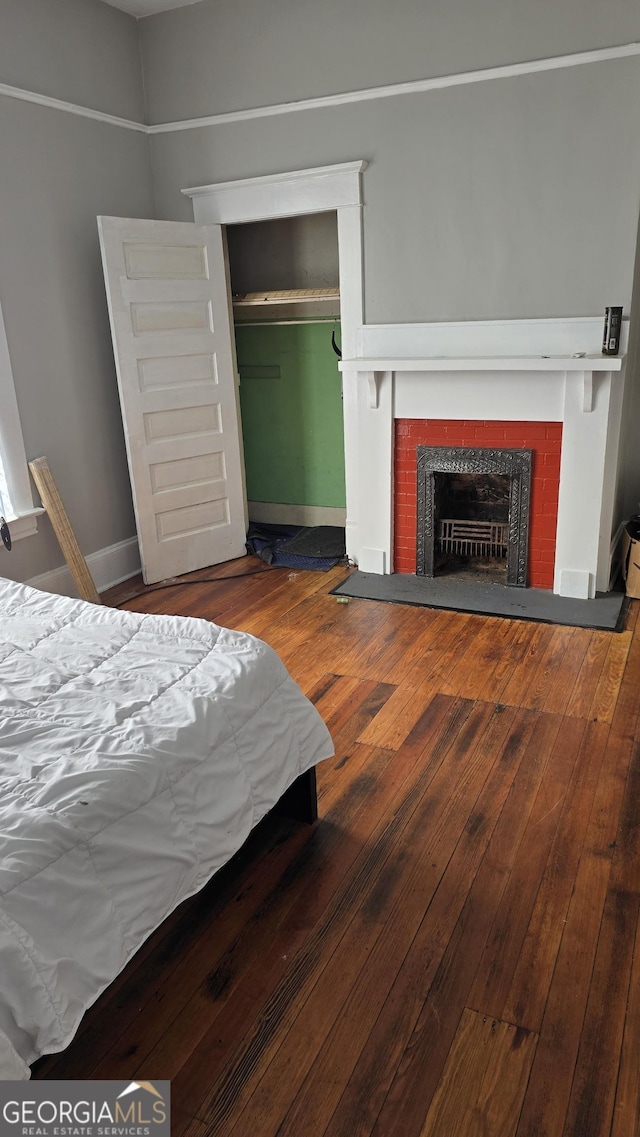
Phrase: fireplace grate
pixel 473 538
pixel 516 464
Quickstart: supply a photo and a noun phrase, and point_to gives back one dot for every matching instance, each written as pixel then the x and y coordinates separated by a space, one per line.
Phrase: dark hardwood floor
pixel 451 949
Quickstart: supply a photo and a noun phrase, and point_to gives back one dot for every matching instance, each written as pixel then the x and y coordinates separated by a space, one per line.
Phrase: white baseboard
pixel 107 566
pixel 280 513
pixel 119 562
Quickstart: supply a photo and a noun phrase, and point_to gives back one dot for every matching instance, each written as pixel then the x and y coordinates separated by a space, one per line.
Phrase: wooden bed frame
pixel 300 801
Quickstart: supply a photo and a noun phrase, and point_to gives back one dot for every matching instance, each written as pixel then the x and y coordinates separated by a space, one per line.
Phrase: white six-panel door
pixel 175 360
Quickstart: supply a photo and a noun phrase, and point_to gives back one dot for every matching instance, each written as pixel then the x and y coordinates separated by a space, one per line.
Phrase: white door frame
pixel 292 194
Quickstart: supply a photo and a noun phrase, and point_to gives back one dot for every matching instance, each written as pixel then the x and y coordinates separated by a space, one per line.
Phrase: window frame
pixel 14 459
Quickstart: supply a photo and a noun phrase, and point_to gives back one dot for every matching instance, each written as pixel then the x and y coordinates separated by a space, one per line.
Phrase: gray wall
pixel 509 198
pixel 222 55
pixel 82 51
pixel 58 172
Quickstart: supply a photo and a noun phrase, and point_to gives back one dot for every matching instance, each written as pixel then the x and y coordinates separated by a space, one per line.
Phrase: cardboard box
pixel 631 565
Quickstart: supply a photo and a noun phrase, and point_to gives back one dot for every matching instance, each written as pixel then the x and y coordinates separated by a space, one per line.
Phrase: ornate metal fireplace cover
pixel 516 464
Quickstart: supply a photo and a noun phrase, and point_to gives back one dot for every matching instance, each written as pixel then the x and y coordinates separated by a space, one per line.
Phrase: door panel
pixel 170 322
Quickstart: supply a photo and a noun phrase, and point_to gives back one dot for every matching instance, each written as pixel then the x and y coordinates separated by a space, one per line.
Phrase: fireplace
pixel 473 512
pixel 479 385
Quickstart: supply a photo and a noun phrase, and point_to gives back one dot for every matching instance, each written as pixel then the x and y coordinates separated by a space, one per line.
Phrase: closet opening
pixel 284 283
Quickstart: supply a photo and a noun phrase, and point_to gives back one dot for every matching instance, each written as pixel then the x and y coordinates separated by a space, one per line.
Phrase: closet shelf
pixel 287 306
pixel 285 296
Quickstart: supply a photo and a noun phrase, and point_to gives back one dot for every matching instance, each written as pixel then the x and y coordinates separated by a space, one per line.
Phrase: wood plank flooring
pixel 452 949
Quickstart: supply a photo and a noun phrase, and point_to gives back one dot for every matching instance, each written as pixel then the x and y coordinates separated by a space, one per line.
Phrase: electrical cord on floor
pixel 202 580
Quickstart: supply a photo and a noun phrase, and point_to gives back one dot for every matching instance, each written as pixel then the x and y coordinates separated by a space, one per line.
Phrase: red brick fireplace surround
pixel 543 438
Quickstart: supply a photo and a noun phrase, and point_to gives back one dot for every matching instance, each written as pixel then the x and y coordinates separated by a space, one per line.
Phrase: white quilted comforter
pixel 136 754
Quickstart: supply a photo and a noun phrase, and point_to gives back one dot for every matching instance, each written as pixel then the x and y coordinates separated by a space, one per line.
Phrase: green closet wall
pixel 292 425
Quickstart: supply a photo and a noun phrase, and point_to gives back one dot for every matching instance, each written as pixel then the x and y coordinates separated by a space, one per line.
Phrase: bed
pixel 136 754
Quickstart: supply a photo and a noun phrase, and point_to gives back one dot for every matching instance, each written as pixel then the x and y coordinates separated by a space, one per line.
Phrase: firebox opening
pixel 494 486
pixel 471 525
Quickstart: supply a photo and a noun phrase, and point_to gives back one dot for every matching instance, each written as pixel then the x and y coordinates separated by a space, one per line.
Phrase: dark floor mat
pixel 317 547
pixel 318 541
pixel 606 611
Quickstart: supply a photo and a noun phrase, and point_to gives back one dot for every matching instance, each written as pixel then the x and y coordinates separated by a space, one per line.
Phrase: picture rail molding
pixel 367 94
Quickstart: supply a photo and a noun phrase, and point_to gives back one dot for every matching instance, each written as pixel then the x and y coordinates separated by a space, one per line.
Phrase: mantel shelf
pixel 586 365
pixel 489 363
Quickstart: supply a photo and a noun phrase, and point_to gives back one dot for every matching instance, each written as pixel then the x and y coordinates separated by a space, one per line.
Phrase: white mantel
pixel 559 376
pixel 583 364
pixel 489 363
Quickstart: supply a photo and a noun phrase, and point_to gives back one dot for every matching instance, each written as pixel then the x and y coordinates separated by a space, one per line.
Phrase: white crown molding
pixel 108 567
pixel 414 86
pixel 70 108
pixel 141 8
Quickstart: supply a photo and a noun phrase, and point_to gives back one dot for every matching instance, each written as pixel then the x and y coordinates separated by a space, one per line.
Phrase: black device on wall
pixel 612 328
